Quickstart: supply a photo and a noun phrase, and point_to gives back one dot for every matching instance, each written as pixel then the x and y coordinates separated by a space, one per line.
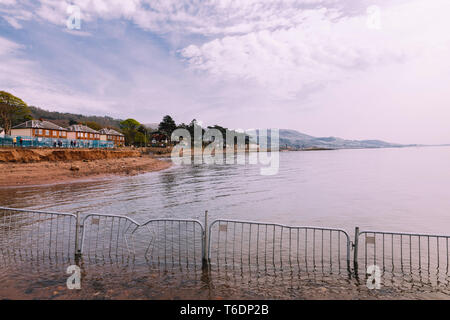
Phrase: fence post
pixel 77 237
pixel 355 253
pixel 205 261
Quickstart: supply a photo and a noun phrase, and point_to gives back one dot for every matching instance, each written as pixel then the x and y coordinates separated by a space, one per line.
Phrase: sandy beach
pixel 24 167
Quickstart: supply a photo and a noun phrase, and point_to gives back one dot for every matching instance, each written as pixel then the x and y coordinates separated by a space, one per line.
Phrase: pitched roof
pixel 38 124
pixel 81 128
pixel 110 132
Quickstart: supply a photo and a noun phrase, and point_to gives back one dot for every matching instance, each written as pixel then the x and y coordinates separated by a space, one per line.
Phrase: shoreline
pixel 73 168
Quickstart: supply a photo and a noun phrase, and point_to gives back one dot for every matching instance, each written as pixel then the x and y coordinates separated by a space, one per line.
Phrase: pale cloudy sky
pixel 323 67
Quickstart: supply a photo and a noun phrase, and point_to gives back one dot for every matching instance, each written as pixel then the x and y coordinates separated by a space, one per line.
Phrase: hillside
pixel 65 119
pixel 297 140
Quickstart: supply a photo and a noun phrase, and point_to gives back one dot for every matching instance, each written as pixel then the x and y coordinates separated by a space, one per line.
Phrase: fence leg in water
pixel 355 253
pixel 205 260
pixel 78 228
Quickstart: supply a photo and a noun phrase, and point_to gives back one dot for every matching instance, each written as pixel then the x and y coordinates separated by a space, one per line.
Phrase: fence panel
pixel 278 247
pixel 36 142
pixel 107 236
pixel 170 242
pixel 404 256
pixel 37 233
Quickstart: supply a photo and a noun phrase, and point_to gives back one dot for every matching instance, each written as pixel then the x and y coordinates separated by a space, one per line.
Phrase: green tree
pixel 192 127
pixel 12 108
pixel 167 126
pixel 146 132
pixel 130 128
pixel 94 125
pixel 140 139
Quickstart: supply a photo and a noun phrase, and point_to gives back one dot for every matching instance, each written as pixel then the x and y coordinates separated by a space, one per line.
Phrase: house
pixel 82 132
pixel 112 135
pixel 159 139
pixel 40 129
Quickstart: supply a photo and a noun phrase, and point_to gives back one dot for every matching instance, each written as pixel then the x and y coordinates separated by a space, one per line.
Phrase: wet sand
pixel 15 174
pixel 112 282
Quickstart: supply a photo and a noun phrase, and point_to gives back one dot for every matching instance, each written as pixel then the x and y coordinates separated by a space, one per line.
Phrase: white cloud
pixel 8 46
pixel 13 22
pixel 322 50
pixel 206 17
pixel 25 78
pixel 8 2
pixel 309 65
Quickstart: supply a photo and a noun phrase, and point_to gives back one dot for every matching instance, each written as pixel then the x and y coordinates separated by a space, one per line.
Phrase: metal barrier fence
pixel 31 232
pixel 275 246
pixel 225 243
pixel 107 236
pixel 175 242
pixel 28 142
pixel 398 253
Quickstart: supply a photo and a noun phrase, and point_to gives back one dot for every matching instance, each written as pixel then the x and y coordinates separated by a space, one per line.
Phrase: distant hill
pixel 297 140
pixel 153 126
pixel 65 119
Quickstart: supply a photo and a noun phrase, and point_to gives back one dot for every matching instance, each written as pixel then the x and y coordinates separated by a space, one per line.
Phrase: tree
pixel 195 126
pixel 140 139
pixel 167 126
pixel 11 109
pixel 130 128
pixel 94 125
pixel 146 132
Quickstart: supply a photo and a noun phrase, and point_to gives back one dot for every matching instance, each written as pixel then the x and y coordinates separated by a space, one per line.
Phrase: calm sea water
pixel 380 189
pixel 405 190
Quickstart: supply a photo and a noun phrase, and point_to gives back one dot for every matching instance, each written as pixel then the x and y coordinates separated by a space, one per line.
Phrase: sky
pixel 354 69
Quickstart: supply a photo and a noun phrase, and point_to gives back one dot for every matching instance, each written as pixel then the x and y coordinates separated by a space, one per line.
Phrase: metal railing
pixel 171 241
pixel 275 246
pixel 107 235
pixel 223 243
pixel 399 253
pixel 33 232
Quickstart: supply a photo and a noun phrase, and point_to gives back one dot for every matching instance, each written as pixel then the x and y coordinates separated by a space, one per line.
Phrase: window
pixel 47 132
pixel 36 131
pixel 40 132
pixel 55 133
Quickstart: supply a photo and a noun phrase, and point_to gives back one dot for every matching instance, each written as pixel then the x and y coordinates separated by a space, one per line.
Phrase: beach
pixel 24 167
